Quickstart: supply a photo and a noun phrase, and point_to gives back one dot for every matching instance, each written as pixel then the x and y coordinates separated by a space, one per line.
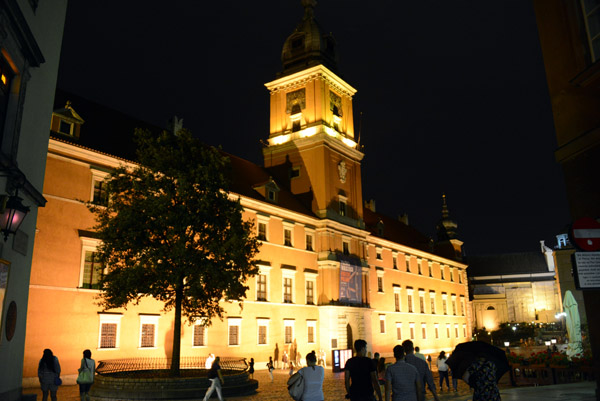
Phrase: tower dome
pixel 307 46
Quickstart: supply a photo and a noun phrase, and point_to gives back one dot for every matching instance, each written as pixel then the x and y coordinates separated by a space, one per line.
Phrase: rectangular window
pixel 437 331
pixel 287 237
pixel 6 78
pixel 448 330
pixel 591 17
pixel 429 268
pixel 382 324
pixel 465 330
pixel 420 265
pixel 108 335
pixel 380 283
pixel 342 208
pixel 263 331
pixel 412 331
pixel 422 302
pixel 199 335
pixel 110 324
pixel 443 272
pixel 346 248
pixel 398 331
pixel 262 231
pixel 410 303
pixel 148 330
pixel 395 262
pixel 445 304
pixel 288 331
pixel 451 274
pixel 65 127
pixel 261 287
pixel 92 270
pixel 100 193
pixel 309 242
pixel 454 305
pixel 462 306
pixel 456 330
pixel 424 331
pixel 287 290
pixel 311 326
pixel 408 263
pixel 432 301
pixel 378 254
pixel 310 292
pixel 234 333
pixel 397 301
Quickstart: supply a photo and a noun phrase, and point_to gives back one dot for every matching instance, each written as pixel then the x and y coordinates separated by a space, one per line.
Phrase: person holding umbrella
pixel 481 365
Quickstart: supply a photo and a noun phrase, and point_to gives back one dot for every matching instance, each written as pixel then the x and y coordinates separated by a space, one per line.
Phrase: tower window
pixel 342 208
pixel 65 127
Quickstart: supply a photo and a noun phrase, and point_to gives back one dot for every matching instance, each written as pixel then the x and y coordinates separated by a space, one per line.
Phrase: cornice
pixel 301 78
pixel 91 156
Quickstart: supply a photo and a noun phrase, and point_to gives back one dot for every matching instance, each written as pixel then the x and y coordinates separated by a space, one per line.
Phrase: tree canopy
pixel 171 231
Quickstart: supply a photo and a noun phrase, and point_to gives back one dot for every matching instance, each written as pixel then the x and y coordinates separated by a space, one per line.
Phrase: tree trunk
pixel 177 332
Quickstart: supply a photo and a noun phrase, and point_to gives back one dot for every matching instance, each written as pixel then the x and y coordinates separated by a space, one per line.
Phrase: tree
pixel 172 232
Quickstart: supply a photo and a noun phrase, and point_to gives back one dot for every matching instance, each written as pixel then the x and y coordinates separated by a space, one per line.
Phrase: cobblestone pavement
pixel 333 388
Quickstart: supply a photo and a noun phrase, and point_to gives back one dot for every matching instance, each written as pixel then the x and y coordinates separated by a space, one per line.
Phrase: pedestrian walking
pixel 418 354
pixel 425 376
pixel 402 380
pixel 443 370
pixel 284 360
pixel 87 363
pixel 216 380
pixel 313 379
pixel 270 367
pixel 454 380
pixel 360 375
pixel 48 373
pixel 276 355
pixel 251 368
pixel 429 361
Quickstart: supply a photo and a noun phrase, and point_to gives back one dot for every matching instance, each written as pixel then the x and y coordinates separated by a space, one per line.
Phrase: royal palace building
pixel 332 269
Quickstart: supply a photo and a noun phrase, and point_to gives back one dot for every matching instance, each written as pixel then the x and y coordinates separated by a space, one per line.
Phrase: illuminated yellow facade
pixel 332 270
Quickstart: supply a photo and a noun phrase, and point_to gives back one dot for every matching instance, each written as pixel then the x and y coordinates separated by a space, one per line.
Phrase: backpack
pixel 296 386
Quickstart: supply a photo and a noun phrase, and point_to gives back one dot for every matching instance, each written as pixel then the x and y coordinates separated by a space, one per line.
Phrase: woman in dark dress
pixel 251 368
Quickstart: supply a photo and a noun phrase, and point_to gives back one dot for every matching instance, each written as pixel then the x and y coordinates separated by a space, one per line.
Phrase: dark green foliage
pixel 171 232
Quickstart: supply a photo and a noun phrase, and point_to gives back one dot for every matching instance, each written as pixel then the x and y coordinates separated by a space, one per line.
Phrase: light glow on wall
pixel 278 140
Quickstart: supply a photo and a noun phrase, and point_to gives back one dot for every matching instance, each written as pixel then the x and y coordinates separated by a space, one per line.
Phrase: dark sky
pixel 453 96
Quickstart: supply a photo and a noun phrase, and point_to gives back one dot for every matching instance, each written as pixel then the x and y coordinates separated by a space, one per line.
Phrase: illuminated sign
pixel 350 281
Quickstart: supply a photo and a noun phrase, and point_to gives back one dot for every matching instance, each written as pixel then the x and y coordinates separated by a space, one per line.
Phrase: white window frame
pixel 109 318
pixel 291 274
pixel 411 326
pixel 379 253
pixel 407 258
pixel 395 260
pixel 380 274
pixel 444 303
pixel 454 307
pixel 464 326
pixel 436 327
pixel 234 321
pixel 343 200
pixel 422 305
pixel 265 220
pixel 410 302
pixel 382 324
pixel 309 233
pixel 397 292
pixel 424 331
pixel 312 277
pixel 429 268
pixel 456 330
pixel 420 266
pixel 262 322
pixel 462 305
pixel 398 331
pixel 311 324
pixel 442 272
pixel 448 328
pixel 200 325
pixel 265 271
pixel 432 298
pixel 148 319
pixel 97 175
pixel 289 323
pixel 288 227
pixel 91 245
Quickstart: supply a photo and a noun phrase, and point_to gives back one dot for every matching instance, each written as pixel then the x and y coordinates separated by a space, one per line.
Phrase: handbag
pixel 296 386
pixel 57 381
pixel 85 376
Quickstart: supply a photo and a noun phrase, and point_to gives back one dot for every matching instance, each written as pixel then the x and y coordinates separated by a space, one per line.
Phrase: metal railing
pixel 111 366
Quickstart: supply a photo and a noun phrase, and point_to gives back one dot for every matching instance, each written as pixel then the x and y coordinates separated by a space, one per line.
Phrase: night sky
pixel 453 96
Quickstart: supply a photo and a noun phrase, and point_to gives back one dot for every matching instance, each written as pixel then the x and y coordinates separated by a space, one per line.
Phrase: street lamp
pixel 12 214
pixel 506 343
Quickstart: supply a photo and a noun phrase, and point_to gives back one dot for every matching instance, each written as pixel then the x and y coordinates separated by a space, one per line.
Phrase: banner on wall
pixel 350 281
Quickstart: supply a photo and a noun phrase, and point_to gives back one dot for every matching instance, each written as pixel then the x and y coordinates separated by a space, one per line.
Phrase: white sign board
pixel 587 270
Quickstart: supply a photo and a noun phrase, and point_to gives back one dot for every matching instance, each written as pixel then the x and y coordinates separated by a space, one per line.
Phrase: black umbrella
pixel 466 353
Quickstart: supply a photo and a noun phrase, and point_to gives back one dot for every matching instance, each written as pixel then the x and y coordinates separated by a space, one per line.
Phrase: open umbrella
pixel 466 353
pixel 575 346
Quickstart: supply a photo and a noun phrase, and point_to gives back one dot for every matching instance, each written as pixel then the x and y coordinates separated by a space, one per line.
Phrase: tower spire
pixel 309 8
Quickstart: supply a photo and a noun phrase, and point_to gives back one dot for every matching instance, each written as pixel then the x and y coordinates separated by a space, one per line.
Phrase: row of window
pixel 409 306
pixel 288 295
pixel 424 333
pixel 424 267
pixel 110 331
pixel 288 238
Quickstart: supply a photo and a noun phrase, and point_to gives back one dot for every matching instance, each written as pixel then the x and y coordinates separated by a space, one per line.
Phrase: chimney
pixel 404 218
pixel 175 124
pixel 370 204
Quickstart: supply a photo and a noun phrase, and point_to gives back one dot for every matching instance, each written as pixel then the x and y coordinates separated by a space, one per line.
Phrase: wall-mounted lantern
pixel 12 214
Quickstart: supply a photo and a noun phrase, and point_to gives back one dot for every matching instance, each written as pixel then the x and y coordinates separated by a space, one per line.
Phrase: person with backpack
pixel 313 379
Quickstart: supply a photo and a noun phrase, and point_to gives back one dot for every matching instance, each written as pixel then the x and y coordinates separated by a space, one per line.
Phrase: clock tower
pixel 311 125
